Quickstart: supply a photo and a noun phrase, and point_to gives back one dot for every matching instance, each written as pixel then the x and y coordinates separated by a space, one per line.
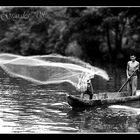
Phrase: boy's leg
pixel 129 88
pixel 90 96
pixel 82 95
pixel 134 85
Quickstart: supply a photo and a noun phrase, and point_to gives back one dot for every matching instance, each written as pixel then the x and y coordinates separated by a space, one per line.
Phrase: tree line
pixel 102 34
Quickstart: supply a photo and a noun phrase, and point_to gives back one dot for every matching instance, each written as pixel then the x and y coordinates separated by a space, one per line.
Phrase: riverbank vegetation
pixel 93 34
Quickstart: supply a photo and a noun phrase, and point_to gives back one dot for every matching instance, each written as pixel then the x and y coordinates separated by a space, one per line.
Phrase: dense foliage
pixel 105 34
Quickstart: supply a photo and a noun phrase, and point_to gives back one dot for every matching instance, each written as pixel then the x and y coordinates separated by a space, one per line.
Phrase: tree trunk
pixel 109 43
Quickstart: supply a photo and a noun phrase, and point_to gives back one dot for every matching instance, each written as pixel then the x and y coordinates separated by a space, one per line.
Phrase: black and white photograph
pixel 69 70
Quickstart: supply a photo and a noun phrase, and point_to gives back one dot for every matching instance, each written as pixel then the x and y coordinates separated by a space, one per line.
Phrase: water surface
pixel 29 108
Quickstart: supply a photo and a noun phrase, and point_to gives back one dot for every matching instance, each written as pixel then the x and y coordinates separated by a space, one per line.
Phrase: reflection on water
pixel 28 108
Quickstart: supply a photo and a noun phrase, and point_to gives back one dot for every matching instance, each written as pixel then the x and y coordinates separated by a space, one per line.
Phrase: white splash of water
pixel 133 110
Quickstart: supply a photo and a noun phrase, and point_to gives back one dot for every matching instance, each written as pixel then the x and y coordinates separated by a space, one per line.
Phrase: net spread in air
pixel 50 69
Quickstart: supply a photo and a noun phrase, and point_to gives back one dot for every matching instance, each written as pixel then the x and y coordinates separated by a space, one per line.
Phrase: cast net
pixel 50 69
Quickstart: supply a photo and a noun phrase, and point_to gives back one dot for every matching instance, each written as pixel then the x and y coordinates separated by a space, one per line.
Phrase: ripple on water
pixel 64 129
pixel 36 109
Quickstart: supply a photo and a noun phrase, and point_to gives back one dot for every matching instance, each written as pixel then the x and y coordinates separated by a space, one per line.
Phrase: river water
pixel 29 108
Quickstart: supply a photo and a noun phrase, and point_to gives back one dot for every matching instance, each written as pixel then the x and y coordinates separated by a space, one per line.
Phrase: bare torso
pixel 132 66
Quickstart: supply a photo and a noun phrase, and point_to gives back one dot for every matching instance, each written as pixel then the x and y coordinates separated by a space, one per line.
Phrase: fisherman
pixel 89 90
pixel 132 67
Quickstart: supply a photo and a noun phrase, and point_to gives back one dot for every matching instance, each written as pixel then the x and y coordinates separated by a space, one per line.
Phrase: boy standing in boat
pixel 132 67
pixel 89 90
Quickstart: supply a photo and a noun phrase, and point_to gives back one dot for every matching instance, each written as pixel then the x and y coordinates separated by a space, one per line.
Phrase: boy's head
pixel 88 82
pixel 132 57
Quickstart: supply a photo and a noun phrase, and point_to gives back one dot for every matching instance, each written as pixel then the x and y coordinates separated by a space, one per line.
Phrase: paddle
pixel 126 81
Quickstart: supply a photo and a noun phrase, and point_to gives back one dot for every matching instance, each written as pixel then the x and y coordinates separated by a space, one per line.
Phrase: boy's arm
pixel 127 71
pixel 138 67
pixel 91 87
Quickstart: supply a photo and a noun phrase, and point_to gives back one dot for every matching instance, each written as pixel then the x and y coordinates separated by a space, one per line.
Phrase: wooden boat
pixel 102 99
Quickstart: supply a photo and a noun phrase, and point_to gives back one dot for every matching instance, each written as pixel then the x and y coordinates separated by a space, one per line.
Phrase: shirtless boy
pixel 132 66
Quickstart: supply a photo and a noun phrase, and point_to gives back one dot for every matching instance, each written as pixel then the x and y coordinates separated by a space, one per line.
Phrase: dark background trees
pixel 94 34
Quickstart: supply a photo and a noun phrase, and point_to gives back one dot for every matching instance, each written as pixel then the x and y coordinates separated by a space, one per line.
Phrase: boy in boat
pixel 89 90
pixel 132 66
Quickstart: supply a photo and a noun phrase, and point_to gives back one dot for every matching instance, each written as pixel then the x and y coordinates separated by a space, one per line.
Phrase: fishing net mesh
pixel 49 69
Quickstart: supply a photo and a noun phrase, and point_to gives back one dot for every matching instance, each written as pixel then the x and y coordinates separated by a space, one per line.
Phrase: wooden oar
pixel 126 81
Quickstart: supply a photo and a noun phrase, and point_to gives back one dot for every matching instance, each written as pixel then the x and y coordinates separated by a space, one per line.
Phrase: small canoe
pixel 101 99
